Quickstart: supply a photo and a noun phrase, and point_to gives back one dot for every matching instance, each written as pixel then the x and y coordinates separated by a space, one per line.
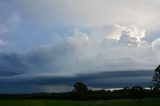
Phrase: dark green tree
pixel 80 87
pixel 137 92
pixel 81 91
pixel 156 77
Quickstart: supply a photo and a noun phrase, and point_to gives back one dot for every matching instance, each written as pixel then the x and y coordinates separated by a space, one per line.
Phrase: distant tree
pixel 137 92
pixel 80 87
pixel 156 77
pixel 81 90
pixel 126 91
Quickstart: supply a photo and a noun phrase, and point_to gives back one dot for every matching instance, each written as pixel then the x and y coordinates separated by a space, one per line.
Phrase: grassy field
pixel 145 102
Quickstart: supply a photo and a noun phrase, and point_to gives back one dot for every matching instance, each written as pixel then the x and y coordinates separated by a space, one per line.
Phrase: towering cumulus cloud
pixel 131 31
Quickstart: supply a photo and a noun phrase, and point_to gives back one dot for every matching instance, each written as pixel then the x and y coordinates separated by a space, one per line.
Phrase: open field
pixel 123 102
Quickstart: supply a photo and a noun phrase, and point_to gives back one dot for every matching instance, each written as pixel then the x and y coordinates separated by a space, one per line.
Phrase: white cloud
pixel 132 31
pixel 83 52
pixel 117 32
pixel 141 13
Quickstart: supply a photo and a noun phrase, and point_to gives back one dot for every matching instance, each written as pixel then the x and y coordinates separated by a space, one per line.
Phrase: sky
pixel 48 45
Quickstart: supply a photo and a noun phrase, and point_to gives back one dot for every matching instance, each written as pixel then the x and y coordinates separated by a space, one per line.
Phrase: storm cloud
pixel 110 43
pixel 46 83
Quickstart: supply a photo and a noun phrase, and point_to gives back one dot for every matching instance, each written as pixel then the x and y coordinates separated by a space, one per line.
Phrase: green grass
pixel 123 102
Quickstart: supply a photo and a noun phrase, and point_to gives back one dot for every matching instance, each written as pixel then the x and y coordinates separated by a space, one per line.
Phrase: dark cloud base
pixel 119 79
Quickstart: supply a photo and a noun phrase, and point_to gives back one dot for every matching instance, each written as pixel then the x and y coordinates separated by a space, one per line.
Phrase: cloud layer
pixel 85 52
pixel 45 83
pixel 141 13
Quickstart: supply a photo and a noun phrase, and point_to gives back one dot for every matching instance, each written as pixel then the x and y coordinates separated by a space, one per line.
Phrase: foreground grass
pixel 123 102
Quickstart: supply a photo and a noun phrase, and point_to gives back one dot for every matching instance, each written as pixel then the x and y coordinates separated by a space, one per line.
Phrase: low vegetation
pixel 119 102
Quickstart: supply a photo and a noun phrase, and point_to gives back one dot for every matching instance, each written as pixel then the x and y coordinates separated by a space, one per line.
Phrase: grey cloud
pixel 84 13
pixel 98 80
pixel 9 20
pixel 102 77
pixel 11 64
